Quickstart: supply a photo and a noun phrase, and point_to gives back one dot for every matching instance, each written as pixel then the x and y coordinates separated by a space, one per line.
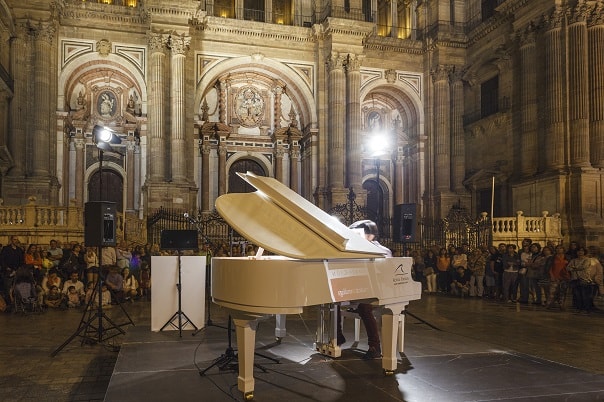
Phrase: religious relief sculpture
pixel 249 107
pixel 106 104
pixel 103 47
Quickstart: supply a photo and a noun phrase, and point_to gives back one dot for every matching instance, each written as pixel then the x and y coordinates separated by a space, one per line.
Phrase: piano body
pixel 318 261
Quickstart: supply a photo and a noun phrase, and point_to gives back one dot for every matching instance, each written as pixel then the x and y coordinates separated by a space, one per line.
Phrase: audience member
pixel 461 282
pixel 476 264
pixel 443 263
pixel 511 265
pixel 115 283
pixel 559 279
pixel 130 285
pixel 54 253
pixel 76 284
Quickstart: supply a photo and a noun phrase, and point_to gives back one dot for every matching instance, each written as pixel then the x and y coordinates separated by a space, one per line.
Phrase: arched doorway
pixel 377 205
pixel 113 188
pixel 236 183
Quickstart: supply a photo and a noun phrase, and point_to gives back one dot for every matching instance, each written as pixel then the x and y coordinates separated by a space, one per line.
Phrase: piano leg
pixel 280 330
pixel 246 344
pixel 391 330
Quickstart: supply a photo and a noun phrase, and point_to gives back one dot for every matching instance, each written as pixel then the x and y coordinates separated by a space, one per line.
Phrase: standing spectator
pixel 123 255
pixel 535 272
pixel 443 262
pixel 489 274
pixel 34 259
pixel 430 271
pixel 511 265
pixel 12 257
pixel 476 264
pixel 497 266
pixel 583 270
pixel 92 265
pixel 54 253
pixel 72 264
pixel 559 279
pixel 523 283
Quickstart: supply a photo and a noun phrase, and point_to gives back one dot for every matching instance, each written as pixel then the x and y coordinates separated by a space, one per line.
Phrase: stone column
pixel 442 129
pixel 4 97
pixel 337 121
pixel 279 153
pixel 222 173
pixel 458 149
pixel 529 155
pixel 278 92
pixel 80 150
pixel 268 11
pixel 178 47
pixel 130 146
pixel 399 182
pixel 393 18
pixel 43 37
pixel 294 173
pixel 596 84
pixel 353 123
pixel 222 101
pixel 578 96
pixel 206 148
pixel 554 92
pixel 157 157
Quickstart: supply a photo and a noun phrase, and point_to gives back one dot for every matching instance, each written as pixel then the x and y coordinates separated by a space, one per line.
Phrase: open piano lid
pixel 278 219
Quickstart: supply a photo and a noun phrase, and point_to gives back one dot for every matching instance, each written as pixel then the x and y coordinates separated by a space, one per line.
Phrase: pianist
pixel 370 230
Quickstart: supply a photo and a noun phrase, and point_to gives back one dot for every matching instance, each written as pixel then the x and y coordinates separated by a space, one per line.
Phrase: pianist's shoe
pixel 341 339
pixel 372 353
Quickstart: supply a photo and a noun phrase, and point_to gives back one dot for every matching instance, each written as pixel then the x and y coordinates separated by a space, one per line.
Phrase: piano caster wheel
pixel 388 372
pixel 278 340
pixel 248 396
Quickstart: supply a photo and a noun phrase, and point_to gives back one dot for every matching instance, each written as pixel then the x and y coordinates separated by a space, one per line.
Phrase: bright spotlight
pixel 378 144
pixel 104 136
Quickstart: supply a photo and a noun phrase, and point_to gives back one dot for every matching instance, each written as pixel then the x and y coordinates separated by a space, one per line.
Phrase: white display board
pixel 164 293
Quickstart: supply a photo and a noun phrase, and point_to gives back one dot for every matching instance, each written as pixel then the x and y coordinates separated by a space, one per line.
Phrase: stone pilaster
pixel 80 149
pixel 529 156
pixel 294 171
pixel 205 171
pixel 337 126
pixel 399 182
pixel 578 96
pixel 43 37
pixel 458 154
pixel 554 91
pixel 157 46
pixel 596 84
pixel 353 123
pixel 20 56
pixel 442 129
pixel 130 147
pixel 178 46
pixel 222 173
pixel 277 92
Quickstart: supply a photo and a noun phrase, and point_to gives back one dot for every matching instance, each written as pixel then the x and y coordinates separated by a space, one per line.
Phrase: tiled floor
pixel 456 350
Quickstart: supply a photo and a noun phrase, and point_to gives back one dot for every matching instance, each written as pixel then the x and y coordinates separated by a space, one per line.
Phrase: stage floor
pixel 442 361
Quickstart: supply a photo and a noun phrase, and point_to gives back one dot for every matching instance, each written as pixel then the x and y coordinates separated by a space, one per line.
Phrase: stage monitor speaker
pixel 99 224
pixel 405 223
pixel 179 240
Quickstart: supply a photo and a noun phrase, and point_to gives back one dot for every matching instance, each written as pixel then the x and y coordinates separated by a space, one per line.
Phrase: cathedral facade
pixel 488 105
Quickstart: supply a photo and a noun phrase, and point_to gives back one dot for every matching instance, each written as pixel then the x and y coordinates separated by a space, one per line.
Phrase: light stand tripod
pixel 99 222
pixel 179 313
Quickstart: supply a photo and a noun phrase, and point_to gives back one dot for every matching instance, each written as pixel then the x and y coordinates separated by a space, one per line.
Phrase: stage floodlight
pixel 103 137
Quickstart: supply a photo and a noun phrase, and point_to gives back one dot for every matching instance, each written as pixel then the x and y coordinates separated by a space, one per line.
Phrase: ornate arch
pixel 298 90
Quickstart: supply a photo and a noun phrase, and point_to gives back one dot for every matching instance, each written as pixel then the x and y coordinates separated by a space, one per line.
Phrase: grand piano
pixel 317 261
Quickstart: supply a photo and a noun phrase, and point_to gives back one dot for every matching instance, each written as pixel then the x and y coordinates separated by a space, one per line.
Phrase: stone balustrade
pixel 540 229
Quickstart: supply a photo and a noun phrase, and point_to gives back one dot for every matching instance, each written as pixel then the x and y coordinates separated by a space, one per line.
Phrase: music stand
pixel 179 240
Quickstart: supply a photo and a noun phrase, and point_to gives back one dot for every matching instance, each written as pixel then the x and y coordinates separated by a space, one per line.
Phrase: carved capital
pixel 179 44
pixel 597 15
pixel 45 32
pixel 526 37
pixel 579 14
pixel 554 20
pixel 335 62
pixel 441 73
pixel 157 42
pixel 353 63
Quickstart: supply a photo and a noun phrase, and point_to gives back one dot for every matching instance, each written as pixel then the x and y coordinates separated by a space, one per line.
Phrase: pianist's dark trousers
pixel 373 336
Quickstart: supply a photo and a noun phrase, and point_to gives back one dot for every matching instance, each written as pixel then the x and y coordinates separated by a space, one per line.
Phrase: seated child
pixel 73 298
pixel 54 298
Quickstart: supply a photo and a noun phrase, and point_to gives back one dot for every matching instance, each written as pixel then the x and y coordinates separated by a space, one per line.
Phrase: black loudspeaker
pixel 405 223
pixel 179 240
pixel 99 224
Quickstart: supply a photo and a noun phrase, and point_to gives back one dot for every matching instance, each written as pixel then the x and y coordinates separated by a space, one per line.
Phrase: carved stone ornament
pixel 103 47
pixel 249 107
